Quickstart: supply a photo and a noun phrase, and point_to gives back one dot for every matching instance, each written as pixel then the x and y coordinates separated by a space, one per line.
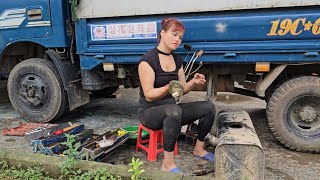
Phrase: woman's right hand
pixel 199 79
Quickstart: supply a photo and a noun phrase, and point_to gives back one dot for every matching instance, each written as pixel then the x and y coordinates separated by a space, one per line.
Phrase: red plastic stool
pixel 155 136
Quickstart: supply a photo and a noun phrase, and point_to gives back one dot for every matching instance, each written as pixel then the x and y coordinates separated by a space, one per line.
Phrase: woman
pixel 157 107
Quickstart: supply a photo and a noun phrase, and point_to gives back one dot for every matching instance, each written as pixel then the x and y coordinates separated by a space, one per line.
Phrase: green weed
pixel 135 168
pixel 17 172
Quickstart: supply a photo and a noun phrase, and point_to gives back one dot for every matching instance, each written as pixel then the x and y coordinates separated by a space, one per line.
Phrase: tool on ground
pixel 43 132
pixel 54 139
pixel 202 172
pixel 58 148
pixel 97 151
pixel 106 142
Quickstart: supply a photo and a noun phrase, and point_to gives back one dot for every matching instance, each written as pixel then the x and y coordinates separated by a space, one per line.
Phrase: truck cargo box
pixel 288 34
pixel 111 8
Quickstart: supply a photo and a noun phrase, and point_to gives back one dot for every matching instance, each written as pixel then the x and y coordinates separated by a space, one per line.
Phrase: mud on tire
pixel 293 114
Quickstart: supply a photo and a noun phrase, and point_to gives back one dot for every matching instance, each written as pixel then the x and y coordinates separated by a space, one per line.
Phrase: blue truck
pixel 56 52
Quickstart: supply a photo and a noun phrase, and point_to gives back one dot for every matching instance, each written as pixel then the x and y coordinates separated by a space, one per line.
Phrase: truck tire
pixel 36 92
pixel 293 113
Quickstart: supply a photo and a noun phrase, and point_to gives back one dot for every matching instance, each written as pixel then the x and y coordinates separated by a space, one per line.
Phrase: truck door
pixel 38 21
pixel 24 20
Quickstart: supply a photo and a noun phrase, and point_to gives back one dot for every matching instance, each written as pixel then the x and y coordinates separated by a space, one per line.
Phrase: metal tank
pixel 239 155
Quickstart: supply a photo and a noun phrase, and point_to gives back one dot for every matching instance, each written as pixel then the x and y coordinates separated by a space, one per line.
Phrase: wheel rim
pixel 303 115
pixel 33 92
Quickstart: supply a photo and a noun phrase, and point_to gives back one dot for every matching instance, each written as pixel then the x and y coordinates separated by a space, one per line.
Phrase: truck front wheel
pixel 293 113
pixel 36 91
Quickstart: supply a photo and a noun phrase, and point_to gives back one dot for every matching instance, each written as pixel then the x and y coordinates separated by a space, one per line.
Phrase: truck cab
pixel 35 41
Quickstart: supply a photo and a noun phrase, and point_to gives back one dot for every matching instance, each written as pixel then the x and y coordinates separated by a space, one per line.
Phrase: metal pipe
pixel 192 63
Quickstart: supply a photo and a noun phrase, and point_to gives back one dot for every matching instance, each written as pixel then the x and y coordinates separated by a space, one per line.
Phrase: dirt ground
pixel 104 114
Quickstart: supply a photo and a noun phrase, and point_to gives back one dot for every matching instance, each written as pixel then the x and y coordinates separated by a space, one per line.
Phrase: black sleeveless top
pixel 162 78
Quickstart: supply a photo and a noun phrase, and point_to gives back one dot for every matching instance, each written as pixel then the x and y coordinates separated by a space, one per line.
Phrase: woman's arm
pixel 198 79
pixel 147 78
pixel 187 86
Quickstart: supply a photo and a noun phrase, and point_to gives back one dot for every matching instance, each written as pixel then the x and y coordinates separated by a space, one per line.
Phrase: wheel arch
pixel 16 52
pixel 282 73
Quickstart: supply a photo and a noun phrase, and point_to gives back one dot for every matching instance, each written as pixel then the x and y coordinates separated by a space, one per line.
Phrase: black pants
pixel 171 117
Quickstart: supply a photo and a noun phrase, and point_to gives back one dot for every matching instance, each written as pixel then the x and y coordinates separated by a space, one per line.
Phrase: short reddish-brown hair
pixel 167 23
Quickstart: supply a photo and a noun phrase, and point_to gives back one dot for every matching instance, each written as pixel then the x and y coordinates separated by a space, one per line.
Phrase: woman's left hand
pixel 199 79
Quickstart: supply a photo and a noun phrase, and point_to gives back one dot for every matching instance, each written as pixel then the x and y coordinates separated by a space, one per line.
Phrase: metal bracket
pixel 266 82
pixel 230 55
pixel 311 54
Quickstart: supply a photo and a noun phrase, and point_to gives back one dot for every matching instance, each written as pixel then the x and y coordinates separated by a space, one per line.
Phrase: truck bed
pixel 112 8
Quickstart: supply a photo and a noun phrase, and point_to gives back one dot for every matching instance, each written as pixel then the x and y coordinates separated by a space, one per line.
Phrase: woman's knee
pixel 173 111
pixel 209 107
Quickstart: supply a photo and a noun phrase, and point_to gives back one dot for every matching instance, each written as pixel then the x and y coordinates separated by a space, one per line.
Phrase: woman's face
pixel 172 37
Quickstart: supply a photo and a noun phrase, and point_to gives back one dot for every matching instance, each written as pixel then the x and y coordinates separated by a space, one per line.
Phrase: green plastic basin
pixel 133 139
